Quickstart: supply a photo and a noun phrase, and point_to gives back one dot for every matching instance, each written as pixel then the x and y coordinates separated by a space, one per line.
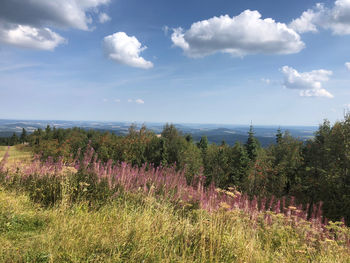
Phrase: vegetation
pixel 314 171
pixel 18 153
pixel 87 196
pixel 87 211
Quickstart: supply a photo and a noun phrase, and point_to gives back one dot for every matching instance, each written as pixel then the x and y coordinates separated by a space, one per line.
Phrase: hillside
pixel 86 211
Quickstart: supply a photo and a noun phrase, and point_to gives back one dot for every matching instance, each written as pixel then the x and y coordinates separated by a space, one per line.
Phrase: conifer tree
pixel 23 137
pixel 203 144
pixel 14 139
pixel 279 136
pixel 252 145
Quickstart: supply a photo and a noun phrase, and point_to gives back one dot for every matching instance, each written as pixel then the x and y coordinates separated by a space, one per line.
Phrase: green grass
pixel 17 153
pixel 142 228
pixel 135 228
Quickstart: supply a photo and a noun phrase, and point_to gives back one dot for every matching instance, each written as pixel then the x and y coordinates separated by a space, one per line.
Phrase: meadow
pixel 17 153
pixel 87 211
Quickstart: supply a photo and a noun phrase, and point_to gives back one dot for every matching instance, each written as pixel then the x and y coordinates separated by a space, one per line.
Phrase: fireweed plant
pixel 53 183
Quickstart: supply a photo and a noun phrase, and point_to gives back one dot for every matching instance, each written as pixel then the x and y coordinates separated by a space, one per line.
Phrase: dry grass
pixel 17 153
pixel 136 228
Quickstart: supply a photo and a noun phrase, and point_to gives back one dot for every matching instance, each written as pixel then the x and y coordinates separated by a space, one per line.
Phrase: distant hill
pixel 216 133
pixel 229 136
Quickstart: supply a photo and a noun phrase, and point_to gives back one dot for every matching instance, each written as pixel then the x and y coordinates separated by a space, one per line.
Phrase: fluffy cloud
pixel 125 50
pixel 27 23
pixel 337 18
pixel 57 13
pixel 30 37
pixel 309 83
pixel 347 65
pixel 242 35
pixel 305 23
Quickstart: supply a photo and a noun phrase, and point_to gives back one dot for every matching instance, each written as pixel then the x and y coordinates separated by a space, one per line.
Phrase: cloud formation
pixel 309 83
pixel 125 50
pixel 30 37
pixel 241 35
pixel 336 19
pixel 27 23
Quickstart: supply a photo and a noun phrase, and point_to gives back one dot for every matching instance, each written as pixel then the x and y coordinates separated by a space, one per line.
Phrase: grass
pixel 18 153
pixel 139 226
pixel 135 228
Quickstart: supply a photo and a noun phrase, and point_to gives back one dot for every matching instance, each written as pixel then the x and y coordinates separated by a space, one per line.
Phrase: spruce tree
pixel 14 139
pixel 279 136
pixel 252 145
pixel 23 137
pixel 203 144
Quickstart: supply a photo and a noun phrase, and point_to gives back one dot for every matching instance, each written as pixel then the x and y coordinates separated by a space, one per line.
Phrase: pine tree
pixel 23 137
pixel 203 144
pixel 13 139
pixel 279 136
pixel 252 145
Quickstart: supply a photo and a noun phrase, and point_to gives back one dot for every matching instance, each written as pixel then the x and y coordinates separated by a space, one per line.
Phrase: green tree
pixel 14 139
pixel 252 145
pixel 175 145
pixel 24 136
pixel 238 165
pixel 203 144
pixel 279 136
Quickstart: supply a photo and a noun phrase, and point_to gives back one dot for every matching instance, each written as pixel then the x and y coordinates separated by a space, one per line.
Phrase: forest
pixel 311 172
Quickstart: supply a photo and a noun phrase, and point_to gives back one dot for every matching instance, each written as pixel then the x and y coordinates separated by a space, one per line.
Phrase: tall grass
pixel 97 212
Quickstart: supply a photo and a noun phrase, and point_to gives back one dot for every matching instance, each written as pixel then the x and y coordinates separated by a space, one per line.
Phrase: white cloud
pixel 125 50
pixel 347 65
pixel 130 100
pixel 31 37
pixel 242 35
pixel 27 23
pixel 305 23
pixel 117 100
pixel 309 83
pixel 103 18
pixel 57 13
pixel 337 18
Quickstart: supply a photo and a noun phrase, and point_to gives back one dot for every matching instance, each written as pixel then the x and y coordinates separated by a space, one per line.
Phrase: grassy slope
pixel 138 228
pixel 141 229
pixel 17 153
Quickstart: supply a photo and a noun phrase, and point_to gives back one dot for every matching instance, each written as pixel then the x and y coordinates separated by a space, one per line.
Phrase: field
pixel 53 218
pixel 144 230
pixel 18 153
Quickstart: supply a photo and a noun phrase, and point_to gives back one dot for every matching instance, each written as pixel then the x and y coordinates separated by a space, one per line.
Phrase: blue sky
pixel 225 65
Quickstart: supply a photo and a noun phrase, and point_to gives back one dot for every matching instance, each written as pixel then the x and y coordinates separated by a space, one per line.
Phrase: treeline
pixel 312 171
pixel 14 139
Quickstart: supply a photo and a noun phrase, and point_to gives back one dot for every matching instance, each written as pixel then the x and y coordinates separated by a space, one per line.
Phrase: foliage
pixel 120 213
pixel 312 171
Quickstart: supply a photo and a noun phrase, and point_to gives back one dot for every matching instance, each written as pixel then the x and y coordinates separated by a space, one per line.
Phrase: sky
pixel 269 62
